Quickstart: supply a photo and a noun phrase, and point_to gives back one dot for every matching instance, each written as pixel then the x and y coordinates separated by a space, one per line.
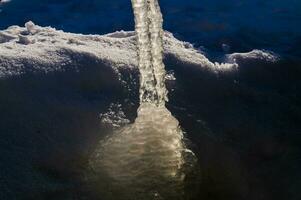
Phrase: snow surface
pixel 256 54
pixel 4 1
pixel 44 49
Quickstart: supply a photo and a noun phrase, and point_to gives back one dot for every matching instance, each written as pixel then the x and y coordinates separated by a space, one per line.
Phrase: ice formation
pixel 146 158
pixel 149 152
pixel 148 20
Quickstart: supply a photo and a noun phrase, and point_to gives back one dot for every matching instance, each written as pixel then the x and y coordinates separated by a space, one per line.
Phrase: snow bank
pixel 255 55
pixel 44 49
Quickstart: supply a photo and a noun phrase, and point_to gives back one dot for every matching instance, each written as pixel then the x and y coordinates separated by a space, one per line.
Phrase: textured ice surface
pixel 145 157
pixel 114 117
pixel 145 160
pixel 45 49
pixel 148 26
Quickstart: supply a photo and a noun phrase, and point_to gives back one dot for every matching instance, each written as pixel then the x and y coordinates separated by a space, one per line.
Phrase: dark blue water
pixel 242 24
pixel 244 126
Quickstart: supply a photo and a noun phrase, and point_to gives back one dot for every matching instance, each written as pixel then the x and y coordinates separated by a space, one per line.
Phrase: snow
pixel 4 1
pixel 44 49
pixel 255 55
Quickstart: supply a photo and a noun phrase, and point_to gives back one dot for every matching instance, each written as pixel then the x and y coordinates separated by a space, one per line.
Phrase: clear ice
pixel 146 159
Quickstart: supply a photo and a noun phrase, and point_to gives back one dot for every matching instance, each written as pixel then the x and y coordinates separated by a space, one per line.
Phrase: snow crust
pixel 44 49
pixel 256 55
